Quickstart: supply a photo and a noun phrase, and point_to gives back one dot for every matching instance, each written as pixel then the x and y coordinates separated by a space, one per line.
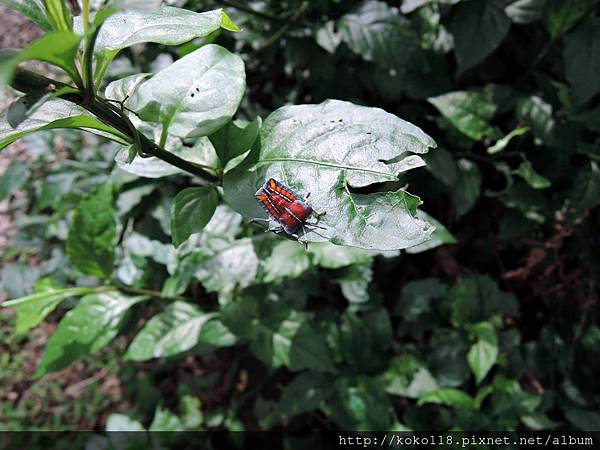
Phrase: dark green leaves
pixel 478 28
pixel 582 60
pixel 92 324
pixel 376 31
pixel 371 146
pixel 92 234
pixel 194 96
pixel 561 16
pixel 234 139
pixel 192 210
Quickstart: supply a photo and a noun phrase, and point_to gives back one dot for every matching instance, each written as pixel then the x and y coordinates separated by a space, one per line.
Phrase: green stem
pixel 86 16
pixel 27 81
pixel 163 135
pixel 137 291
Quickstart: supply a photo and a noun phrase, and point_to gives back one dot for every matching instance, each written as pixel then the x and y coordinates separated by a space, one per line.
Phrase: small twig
pixel 75 389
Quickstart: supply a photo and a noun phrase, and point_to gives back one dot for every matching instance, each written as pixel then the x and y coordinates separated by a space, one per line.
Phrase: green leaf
pixel 469 111
pixel 34 9
pixel 484 352
pixel 360 404
pixel 582 60
pixel 84 330
pixel 503 142
pixel 450 397
pixel 177 329
pixel 13 179
pixel 194 96
pixel 234 139
pixel 192 210
pixel 288 259
pixel 478 28
pixel 201 153
pixel 561 16
pixel 468 187
pixel 92 234
pixel 355 283
pixel 537 114
pixel 59 48
pixel 375 32
pixel 409 377
pixel 533 179
pixel 585 193
pixel 292 343
pixel 164 25
pixel 305 393
pixel 122 422
pixel 525 11
pixel 56 113
pixel 477 298
pixel 440 236
pixel 327 149
pixel 59 15
pixel 34 308
pixel 331 256
pixel 165 420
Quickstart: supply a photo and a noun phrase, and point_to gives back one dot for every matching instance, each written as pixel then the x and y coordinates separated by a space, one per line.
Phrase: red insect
pixel 285 208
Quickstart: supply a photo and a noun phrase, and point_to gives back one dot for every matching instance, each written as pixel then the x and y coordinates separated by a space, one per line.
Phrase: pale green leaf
pixel 326 149
pixel 525 11
pixel 469 111
pixel 56 113
pixel 194 96
pixel 177 329
pixel 533 179
pixel 164 25
pixel 450 397
pixel 34 308
pixel 409 377
pixel 484 352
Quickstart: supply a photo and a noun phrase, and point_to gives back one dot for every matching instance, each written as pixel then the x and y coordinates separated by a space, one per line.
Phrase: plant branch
pixel 148 292
pixel 27 82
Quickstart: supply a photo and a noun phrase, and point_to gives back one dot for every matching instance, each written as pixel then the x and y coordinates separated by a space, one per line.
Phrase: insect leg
pixel 314 225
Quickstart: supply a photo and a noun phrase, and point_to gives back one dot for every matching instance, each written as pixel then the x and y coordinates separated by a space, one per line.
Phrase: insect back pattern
pixel 285 207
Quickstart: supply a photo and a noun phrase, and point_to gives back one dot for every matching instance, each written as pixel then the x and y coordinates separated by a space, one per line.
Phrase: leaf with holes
pixel 329 150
